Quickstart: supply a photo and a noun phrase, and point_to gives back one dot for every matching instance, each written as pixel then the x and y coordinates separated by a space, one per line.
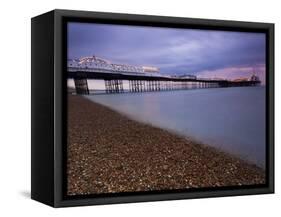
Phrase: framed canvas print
pixel 131 108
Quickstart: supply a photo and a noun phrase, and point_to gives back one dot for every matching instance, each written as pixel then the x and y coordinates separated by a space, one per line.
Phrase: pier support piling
pixel 81 85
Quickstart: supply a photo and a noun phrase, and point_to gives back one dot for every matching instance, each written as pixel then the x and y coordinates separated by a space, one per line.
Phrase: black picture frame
pixel 48 146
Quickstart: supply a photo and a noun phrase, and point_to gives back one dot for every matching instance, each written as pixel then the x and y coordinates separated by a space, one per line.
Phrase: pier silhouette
pixel 141 79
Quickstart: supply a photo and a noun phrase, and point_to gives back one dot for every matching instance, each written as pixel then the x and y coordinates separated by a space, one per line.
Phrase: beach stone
pixel 109 153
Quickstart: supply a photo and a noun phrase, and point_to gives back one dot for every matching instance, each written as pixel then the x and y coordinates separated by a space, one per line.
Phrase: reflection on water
pixel 232 119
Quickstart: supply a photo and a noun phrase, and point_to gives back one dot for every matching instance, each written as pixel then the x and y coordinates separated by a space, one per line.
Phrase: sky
pixel 204 53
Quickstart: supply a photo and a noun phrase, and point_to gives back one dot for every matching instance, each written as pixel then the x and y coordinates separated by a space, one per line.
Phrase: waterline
pixel 231 119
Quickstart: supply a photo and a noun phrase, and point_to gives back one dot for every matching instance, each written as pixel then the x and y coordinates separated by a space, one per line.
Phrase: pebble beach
pixel 109 153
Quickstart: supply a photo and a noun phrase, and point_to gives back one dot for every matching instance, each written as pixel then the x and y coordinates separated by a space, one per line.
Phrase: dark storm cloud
pixel 174 51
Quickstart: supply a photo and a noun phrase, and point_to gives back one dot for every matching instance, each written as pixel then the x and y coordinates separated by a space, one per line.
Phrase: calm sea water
pixel 231 119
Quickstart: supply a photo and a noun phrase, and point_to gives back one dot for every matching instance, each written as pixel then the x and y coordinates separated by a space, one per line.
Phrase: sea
pixel 229 119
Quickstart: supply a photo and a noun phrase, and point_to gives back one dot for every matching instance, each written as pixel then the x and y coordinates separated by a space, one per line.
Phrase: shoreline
pixel 182 135
pixel 110 153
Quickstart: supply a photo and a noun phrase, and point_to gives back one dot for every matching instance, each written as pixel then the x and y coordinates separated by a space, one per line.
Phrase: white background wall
pixel 15 106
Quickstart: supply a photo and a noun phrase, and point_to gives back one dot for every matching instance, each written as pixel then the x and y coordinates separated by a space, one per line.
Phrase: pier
pixel 141 79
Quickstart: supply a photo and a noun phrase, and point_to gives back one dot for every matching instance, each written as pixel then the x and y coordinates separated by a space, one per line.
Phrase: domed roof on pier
pixel 254 78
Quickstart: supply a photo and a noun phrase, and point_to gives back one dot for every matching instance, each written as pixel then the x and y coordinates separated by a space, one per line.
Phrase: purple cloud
pixel 174 51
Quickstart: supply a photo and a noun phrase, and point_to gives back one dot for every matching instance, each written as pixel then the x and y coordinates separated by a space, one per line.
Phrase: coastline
pixel 110 153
